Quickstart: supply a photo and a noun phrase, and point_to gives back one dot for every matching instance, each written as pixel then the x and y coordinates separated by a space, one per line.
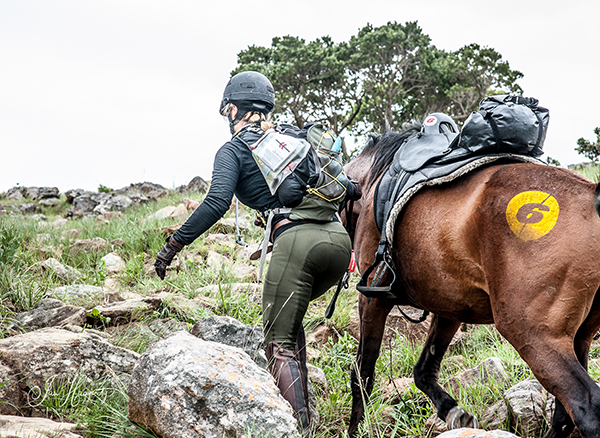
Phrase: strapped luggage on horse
pixel 505 126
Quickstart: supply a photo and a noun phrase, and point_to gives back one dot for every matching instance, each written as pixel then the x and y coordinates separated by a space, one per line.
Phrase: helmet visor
pixel 226 110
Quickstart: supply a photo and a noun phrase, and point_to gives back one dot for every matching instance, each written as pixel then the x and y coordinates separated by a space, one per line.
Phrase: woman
pixel 308 256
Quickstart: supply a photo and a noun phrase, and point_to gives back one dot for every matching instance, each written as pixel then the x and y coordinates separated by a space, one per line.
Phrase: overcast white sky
pixel 115 92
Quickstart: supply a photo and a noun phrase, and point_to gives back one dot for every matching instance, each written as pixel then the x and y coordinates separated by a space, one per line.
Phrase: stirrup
pixel 382 265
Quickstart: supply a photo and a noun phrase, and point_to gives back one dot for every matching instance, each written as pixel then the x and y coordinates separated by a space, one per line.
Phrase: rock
pixel 72 233
pixel 49 312
pixel 128 310
pixel 527 405
pixel 90 245
pixel 191 204
pixel 112 203
pixel 180 213
pixel 229 226
pixel 77 293
pixel 38 218
pixel 48 193
pixel 163 213
pixel 226 240
pixel 495 416
pixel 395 389
pixel 230 331
pixel 436 424
pixel 17 427
pixel 118 242
pixel 476 433
pixel 113 263
pixel 49 202
pixel 197 184
pixel 73 193
pixel 26 208
pixel 185 387
pixel 83 205
pixel 244 271
pixel 216 261
pixel 60 222
pixel 490 370
pixel 146 333
pixel 142 192
pixel 65 273
pixel 28 360
pixel 317 376
pixel 15 194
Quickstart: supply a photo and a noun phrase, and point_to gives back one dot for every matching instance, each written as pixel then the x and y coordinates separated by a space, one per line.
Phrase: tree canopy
pixel 382 76
pixel 588 149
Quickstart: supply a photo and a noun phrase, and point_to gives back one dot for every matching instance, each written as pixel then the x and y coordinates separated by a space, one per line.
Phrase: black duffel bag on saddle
pixel 505 124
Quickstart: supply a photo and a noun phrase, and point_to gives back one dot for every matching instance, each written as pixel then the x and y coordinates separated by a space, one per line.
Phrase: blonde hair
pixel 255 117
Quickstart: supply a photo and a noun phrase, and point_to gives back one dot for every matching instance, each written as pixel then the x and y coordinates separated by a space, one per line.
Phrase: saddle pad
pixel 436 175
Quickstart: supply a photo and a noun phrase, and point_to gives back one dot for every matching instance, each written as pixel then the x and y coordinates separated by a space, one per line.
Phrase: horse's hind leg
pixel 426 372
pixel 562 425
pixel 552 357
pixel 373 313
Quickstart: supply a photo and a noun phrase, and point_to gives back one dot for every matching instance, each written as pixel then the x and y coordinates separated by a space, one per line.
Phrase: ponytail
pixel 256 117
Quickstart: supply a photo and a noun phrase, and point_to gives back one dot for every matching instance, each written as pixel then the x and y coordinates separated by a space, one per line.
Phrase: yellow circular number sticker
pixel 532 215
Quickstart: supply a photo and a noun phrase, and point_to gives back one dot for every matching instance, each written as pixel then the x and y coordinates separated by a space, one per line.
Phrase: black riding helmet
pixel 248 91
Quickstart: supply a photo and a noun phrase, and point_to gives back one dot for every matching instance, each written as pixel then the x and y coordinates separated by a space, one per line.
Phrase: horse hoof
pixel 458 417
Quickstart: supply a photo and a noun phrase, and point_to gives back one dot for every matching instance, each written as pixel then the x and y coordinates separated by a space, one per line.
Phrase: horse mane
pixel 383 148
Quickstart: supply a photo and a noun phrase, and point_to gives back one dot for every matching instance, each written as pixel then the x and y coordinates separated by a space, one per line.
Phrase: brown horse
pixel 513 244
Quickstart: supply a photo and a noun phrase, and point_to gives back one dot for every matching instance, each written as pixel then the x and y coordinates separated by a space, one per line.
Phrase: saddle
pixel 431 157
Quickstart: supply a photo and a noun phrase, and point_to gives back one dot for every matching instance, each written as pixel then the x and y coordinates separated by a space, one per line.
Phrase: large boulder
pixel 185 387
pixel 32 361
pixel 230 331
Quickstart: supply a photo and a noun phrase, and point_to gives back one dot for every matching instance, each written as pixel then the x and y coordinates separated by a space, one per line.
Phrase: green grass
pixel 100 407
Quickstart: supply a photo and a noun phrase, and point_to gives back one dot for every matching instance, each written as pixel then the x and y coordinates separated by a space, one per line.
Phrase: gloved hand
pixel 356 192
pixel 166 255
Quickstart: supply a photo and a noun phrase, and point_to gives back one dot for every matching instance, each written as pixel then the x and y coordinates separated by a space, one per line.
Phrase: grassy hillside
pixel 101 408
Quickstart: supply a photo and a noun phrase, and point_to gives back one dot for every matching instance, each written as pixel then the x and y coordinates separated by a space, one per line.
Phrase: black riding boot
pixel 291 379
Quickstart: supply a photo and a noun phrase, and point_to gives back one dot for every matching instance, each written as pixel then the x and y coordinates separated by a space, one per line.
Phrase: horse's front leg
pixel 427 369
pixel 373 313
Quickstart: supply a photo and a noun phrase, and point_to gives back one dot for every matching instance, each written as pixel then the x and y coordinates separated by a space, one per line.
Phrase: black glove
pixel 165 256
pixel 355 192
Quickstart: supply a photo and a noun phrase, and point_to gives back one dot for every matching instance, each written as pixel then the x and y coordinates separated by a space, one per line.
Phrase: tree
pixel 461 79
pixel 309 79
pixel 383 76
pixel 389 63
pixel 588 149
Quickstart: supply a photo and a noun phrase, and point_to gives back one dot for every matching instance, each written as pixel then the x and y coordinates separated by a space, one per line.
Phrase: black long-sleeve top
pixel 234 172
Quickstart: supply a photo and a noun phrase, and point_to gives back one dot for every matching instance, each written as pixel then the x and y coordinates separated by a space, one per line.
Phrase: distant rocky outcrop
pixel 197 184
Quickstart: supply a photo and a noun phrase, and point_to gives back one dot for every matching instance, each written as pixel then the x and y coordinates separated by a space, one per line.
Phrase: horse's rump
pixel 503 231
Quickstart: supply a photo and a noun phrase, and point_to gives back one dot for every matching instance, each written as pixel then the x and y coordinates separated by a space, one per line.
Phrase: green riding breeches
pixel 307 260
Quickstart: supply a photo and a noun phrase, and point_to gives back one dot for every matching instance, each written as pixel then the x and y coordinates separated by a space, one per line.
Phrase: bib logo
pixel 531 215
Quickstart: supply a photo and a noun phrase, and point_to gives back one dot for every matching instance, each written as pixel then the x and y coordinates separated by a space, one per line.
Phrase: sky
pixel 115 92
